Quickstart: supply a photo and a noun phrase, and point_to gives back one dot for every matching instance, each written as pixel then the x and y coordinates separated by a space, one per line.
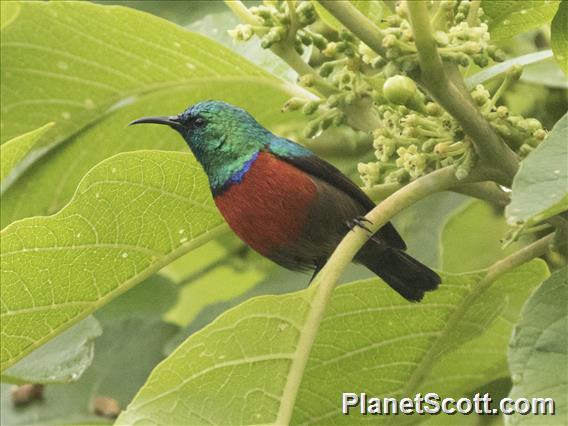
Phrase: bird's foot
pixel 359 221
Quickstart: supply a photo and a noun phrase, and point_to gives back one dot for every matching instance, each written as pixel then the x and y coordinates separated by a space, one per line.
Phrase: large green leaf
pixel 473 238
pixel 63 359
pixel 559 36
pixel 510 17
pixel 540 187
pixel 99 74
pixel 129 348
pixel 14 151
pixel 369 336
pixel 131 215
pixel 422 225
pixel 538 354
pixel 84 58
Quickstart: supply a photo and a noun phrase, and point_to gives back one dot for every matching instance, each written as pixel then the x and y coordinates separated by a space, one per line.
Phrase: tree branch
pixel 490 148
pixel 356 22
pixel 487 191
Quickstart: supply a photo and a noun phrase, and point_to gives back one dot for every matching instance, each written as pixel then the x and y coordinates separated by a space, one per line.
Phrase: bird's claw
pixel 360 222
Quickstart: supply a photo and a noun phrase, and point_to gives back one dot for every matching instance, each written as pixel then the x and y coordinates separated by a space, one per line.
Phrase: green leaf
pixel 63 359
pixel 559 36
pixel 424 223
pixel 100 74
pixel 511 17
pixel 488 73
pixel 128 350
pixel 131 215
pixel 538 353
pixel 472 238
pixel 14 151
pixel 545 73
pixel 539 188
pixel 8 13
pixel 369 336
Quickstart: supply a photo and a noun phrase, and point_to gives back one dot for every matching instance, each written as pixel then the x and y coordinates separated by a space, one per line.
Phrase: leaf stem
pixel 487 191
pixel 472 14
pixel 536 249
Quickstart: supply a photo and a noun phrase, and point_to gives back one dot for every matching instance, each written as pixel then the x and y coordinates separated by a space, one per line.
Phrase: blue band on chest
pixel 238 176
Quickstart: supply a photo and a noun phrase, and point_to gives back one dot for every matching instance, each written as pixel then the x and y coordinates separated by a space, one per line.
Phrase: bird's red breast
pixel 269 207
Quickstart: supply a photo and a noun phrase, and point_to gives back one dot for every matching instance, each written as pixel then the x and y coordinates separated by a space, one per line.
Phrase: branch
pixel 487 191
pixel 356 22
pixel 326 280
pixel 488 145
pixel 536 249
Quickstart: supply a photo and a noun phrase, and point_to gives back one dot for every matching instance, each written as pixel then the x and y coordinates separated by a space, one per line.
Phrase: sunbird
pixel 285 202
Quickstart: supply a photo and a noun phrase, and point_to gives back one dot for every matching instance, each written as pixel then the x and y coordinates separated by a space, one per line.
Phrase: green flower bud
pixel 304 38
pixel 306 13
pixel 539 134
pixel 502 111
pixel 480 60
pixel 330 50
pixel 461 172
pixel 241 33
pixel 347 36
pixel 434 109
pixel 399 89
pixel 428 146
pixel 293 104
pixel 319 41
pixel 389 41
pixel 312 129
pixel 525 150
pixel 306 80
pixel 350 98
pixel 310 107
pixel 393 20
pixel 333 101
pixel 401 10
pixel 326 69
pixel 441 38
pixel 532 124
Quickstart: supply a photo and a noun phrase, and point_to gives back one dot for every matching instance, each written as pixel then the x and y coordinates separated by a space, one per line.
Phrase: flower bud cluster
pixel 277 23
pixel 521 134
pixel 458 42
pixel 413 140
pixel 325 117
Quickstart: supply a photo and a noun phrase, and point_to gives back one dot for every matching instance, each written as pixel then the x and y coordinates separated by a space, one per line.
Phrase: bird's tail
pixel 410 278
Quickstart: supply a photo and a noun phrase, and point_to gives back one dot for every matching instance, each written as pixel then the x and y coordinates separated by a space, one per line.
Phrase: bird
pixel 284 201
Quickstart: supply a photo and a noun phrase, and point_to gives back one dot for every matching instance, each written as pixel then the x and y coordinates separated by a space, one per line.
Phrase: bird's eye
pixel 199 122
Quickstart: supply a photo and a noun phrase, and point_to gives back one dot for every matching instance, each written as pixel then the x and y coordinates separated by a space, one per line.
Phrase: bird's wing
pixel 305 160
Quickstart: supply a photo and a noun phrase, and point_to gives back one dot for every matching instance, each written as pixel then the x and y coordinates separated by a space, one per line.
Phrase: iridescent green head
pixel 222 137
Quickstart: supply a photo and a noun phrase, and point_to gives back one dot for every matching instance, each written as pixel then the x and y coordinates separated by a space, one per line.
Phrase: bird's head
pixel 220 135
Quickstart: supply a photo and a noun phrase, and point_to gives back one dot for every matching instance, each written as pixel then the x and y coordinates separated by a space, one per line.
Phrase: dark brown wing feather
pixel 323 170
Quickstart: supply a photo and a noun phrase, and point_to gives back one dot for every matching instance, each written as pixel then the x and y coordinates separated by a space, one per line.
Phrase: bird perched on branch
pixel 285 202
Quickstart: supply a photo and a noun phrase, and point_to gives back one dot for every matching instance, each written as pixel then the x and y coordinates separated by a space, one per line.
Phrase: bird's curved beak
pixel 173 121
